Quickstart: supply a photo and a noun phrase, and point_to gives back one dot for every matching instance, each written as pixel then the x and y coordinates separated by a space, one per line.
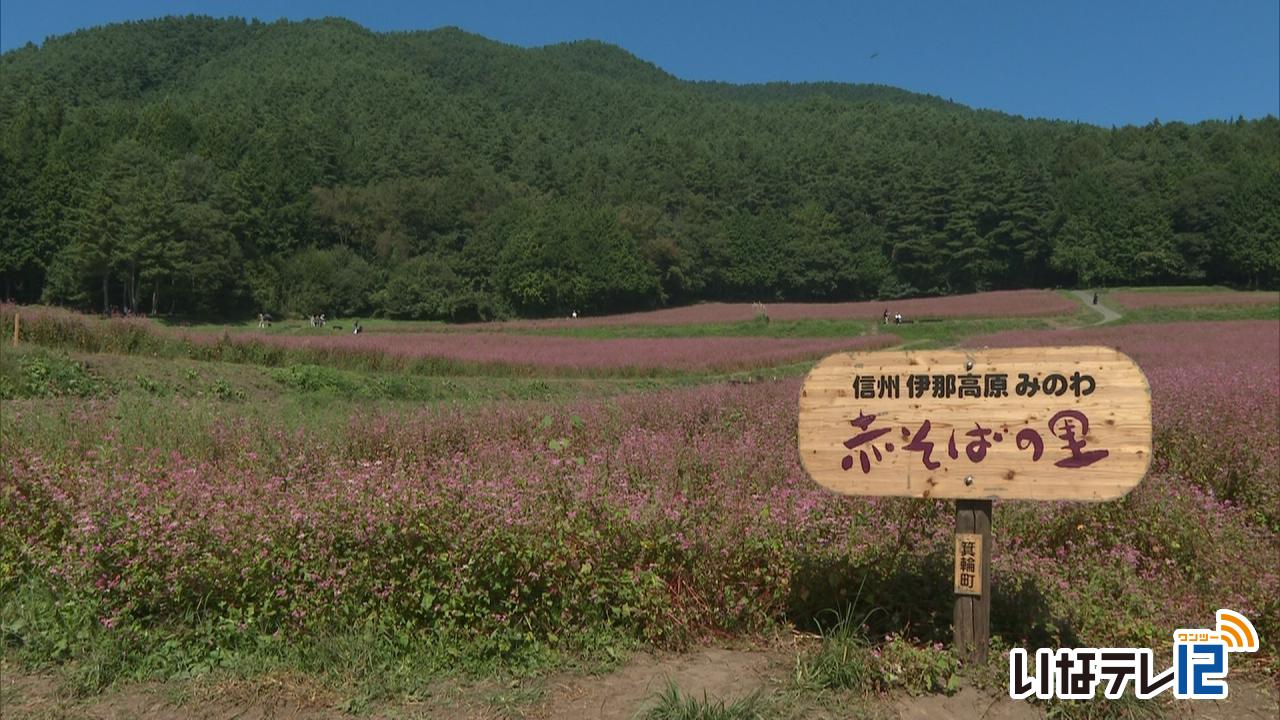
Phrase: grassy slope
pixel 252 375
pixel 32 371
pixel 1163 315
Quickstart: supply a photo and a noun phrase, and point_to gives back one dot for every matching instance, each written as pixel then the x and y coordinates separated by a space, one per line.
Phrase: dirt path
pixel 716 673
pixel 708 672
pixel 1086 297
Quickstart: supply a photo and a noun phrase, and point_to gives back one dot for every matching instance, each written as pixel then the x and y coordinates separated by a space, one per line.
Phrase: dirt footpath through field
pixel 1086 297
pixel 626 693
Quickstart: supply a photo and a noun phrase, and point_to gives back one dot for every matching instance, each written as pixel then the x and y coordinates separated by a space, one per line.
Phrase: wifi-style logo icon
pixel 1236 632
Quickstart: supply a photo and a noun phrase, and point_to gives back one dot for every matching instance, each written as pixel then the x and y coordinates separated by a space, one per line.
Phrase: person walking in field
pixel 886 316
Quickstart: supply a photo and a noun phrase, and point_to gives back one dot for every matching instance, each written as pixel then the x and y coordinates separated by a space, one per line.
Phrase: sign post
pixel 972 619
pixel 1056 423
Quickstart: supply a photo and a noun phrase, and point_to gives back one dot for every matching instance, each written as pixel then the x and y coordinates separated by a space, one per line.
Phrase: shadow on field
pixel 1021 614
pixel 912 596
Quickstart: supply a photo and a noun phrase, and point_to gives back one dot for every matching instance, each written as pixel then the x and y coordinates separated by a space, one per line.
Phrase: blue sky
pixel 1108 63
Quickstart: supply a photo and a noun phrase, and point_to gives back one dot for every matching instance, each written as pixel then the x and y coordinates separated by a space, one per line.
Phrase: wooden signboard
pixel 1051 423
pixel 1059 423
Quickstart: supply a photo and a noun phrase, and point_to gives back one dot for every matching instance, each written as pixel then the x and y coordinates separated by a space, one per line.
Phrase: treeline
pixel 219 167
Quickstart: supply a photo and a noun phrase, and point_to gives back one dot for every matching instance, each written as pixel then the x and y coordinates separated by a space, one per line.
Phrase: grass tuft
pixel 673 704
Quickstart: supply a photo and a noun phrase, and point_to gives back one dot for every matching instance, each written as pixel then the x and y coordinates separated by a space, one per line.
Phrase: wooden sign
pixel 969 570
pixel 1049 423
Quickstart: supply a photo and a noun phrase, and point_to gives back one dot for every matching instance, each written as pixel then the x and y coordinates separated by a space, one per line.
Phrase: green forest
pixel 211 167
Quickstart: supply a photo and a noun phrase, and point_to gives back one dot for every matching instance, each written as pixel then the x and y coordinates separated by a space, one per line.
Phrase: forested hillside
pixel 207 167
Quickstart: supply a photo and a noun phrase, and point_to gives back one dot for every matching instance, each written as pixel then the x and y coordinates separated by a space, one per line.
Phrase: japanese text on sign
pixel 1069 426
pixel 1069 423
pixel 968 575
pixel 972 385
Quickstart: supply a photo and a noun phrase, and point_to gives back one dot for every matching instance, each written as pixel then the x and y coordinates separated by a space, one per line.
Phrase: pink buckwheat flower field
pixel 446 352
pixel 1154 299
pixel 549 353
pixel 224 529
pixel 1004 303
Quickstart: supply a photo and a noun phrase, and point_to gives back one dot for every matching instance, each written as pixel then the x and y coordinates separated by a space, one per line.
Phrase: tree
pixel 333 281
pixel 194 165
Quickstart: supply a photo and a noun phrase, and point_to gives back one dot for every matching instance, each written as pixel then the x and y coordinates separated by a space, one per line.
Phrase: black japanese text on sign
pixel 968 571
pixel 1032 423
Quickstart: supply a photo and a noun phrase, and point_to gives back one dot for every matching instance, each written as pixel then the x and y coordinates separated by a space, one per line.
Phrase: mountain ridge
pixel 577 54
pixel 223 166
